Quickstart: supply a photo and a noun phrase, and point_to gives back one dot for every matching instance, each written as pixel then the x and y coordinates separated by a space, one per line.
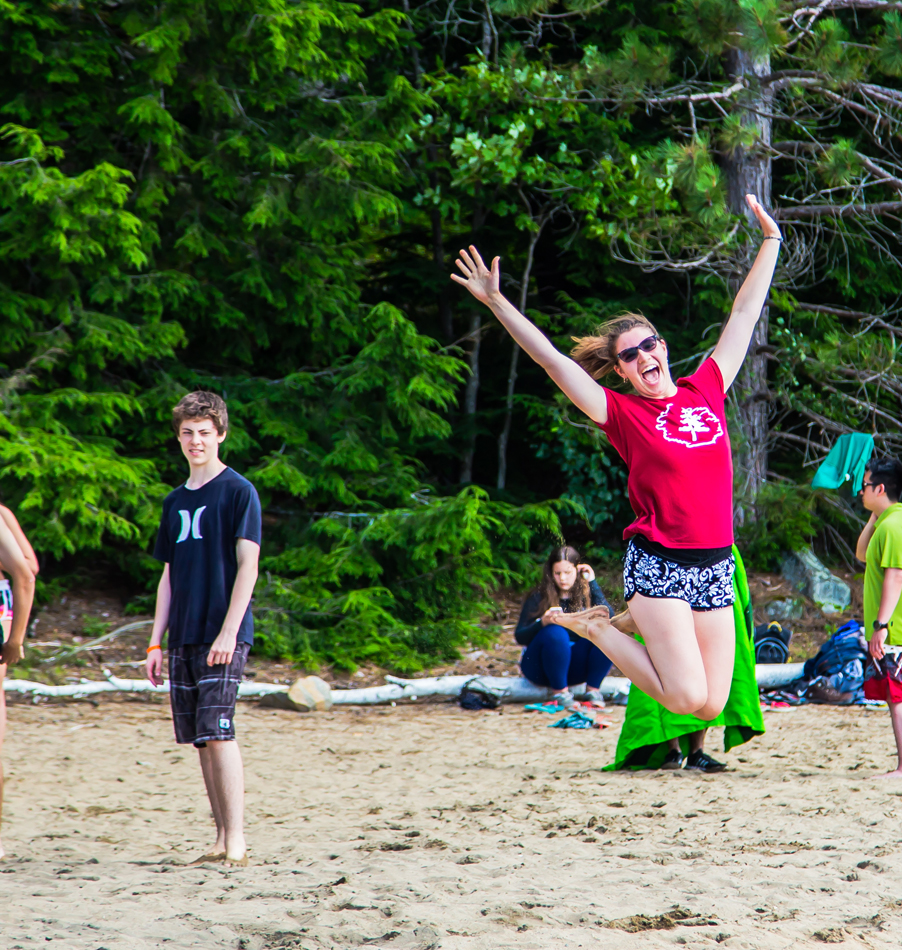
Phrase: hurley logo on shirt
pixel 692 427
pixel 190 524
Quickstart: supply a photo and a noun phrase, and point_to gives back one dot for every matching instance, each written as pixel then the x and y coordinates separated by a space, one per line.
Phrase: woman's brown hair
pixel 580 598
pixel 597 354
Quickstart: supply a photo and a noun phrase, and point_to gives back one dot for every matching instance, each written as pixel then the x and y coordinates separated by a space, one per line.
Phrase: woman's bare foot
pixel 624 622
pixel 588 624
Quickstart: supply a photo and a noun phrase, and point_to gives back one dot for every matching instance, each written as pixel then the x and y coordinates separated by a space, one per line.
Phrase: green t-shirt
pixel 884 550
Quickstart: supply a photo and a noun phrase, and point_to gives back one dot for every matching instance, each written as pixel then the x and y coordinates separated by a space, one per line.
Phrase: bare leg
pixel 671 648
pixel 686 663
pixel 206 766
pixel 624 621
pixel 697 740
pixel 227 773
pixel 895 714
pixel 715 633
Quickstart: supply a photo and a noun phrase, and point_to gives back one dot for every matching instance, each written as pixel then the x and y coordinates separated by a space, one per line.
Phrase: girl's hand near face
pixel 585 570
pixel 551 615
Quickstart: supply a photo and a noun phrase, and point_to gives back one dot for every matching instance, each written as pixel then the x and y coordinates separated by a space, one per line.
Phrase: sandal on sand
pixel 241 862
pixel 214 857
pixel 673 760
pixel 552 708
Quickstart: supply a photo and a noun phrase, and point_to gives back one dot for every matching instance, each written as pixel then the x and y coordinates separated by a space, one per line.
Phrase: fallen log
pixel 513 689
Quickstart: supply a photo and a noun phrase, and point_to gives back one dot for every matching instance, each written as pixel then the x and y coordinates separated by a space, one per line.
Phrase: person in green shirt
pixel 880 547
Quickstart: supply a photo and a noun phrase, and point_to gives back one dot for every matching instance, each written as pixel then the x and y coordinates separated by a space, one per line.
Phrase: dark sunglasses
pixel 631 352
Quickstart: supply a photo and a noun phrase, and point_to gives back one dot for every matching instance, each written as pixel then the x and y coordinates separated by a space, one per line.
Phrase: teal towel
pixel 847 459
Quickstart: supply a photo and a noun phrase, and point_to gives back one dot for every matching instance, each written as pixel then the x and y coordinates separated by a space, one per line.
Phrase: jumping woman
pixel 678 571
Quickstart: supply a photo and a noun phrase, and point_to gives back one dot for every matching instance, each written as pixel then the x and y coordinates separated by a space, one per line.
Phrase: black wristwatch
pixel 880 625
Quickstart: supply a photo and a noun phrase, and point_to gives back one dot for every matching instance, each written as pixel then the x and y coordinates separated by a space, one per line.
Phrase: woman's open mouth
pixel 652 374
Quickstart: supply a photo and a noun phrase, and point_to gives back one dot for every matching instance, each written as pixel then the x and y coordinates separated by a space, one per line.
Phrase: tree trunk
pixel 470 393
pixel 445 314
pixel 749 172
pixel 504 438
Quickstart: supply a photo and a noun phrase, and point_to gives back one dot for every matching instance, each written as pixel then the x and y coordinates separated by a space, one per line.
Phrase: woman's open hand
pixel 767 223
pixel 478 279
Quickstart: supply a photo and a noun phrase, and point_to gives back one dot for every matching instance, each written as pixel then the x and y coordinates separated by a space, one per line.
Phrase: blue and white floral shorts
pixel 703 588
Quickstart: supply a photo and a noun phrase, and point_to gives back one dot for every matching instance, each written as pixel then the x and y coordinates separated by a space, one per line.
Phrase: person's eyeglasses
pixel 631 352
pixel 865 485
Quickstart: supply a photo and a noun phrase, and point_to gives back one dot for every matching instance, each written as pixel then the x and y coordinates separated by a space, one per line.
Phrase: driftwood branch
pixel 508 689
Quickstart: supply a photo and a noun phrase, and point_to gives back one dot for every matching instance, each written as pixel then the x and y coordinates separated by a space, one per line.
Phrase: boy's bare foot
pixel 213 857
pixel 624 622
pixel 896 773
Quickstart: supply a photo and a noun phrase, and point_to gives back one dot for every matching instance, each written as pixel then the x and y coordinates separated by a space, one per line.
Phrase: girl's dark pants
pixel 552 659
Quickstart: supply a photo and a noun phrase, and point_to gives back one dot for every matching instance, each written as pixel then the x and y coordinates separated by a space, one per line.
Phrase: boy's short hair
pixel 201 405
pixel 888 473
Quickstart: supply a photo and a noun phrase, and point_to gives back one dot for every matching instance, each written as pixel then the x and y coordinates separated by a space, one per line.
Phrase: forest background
pixel 265 199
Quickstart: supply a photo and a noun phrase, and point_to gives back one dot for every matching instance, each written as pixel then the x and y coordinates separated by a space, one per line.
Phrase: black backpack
pixel 772 643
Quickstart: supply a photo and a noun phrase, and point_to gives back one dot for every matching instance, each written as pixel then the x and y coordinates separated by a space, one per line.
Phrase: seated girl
pixel 554 656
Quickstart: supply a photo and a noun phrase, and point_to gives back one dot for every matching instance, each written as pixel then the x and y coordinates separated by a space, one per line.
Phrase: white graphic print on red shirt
pixel 702 427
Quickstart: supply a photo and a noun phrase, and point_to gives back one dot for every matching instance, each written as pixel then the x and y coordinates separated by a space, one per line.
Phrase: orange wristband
pixel 156 646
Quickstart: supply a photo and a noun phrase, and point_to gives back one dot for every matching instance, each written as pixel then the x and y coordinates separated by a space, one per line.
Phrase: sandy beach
pixel 419 827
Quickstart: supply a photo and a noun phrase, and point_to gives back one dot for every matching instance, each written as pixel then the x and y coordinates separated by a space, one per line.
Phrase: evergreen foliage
pixel 264 199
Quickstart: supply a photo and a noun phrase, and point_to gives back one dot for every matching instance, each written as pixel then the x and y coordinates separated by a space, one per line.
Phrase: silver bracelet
pixel 772 237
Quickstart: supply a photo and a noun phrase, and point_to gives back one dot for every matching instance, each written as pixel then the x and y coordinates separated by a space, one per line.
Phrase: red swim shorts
pixel 888 684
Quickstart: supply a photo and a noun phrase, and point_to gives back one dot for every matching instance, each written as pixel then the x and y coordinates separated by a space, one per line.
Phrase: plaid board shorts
pixel 884 678
pixel 703 588
pixel 203 697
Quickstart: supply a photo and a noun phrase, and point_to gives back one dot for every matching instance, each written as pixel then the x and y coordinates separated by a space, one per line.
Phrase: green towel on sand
pixel 847 459
pixel 648 725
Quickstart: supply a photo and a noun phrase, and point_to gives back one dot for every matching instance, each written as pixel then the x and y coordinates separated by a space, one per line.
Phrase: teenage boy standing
pixel 880 547
pixel 209 543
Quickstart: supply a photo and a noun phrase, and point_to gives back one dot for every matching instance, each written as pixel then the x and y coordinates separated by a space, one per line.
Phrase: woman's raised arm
pixel 737 334
pixel 576 384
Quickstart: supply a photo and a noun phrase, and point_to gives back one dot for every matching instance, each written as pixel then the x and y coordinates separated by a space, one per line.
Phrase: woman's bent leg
pixel 546 660
pixel 669 667
pixel 716 636
pixel 587 664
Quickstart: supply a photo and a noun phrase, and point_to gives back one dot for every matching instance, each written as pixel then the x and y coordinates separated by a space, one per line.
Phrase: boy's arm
pixel 153 666
pixel 222 648
pixel 13 524
pixel 22 579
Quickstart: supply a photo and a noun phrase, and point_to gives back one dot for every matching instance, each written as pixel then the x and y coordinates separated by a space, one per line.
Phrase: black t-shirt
pixel 197 537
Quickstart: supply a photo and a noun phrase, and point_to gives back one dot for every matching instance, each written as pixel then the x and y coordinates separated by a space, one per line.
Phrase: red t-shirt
pixel 680 465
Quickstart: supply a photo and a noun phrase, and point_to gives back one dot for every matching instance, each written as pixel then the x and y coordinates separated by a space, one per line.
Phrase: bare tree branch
pixel 837 211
